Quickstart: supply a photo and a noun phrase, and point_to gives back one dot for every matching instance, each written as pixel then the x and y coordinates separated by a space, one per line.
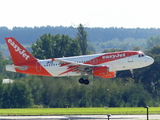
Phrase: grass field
pixel 79 111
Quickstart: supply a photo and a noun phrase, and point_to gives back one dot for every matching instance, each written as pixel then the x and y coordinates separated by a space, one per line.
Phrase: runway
pixel 82 117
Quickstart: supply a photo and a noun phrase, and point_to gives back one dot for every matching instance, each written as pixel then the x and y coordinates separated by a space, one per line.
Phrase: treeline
pixel 34 91
pixel 98 38
pixel 28 35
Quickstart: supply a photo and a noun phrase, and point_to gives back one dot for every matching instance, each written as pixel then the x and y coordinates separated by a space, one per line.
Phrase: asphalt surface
pixel 82 117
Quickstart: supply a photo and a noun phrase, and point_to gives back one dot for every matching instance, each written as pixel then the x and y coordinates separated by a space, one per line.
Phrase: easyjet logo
pixel 18 49
pixel 114 56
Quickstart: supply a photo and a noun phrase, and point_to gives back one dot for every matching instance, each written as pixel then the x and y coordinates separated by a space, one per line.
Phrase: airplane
pixel 102 65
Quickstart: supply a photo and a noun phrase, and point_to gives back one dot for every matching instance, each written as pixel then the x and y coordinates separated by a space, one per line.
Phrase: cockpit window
pixel 141 55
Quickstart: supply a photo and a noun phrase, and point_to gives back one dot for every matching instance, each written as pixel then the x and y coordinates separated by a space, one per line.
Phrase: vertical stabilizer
pixel 18 53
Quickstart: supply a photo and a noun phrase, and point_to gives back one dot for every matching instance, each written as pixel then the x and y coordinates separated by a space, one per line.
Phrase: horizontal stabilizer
pixel 13 67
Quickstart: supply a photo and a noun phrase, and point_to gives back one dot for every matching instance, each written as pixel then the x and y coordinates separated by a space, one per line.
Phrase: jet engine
pixel 103 72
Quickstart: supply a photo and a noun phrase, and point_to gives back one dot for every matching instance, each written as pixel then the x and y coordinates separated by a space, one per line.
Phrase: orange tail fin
pixel 18 53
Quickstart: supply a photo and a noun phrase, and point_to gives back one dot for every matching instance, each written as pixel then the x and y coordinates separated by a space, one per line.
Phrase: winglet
pixel 18 53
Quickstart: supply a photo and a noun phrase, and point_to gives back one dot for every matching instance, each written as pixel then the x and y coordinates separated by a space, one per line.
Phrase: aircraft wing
pixel 74 66
pixel 71 63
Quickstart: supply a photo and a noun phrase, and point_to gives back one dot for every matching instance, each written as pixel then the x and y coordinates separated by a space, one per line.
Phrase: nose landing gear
pixel 84 81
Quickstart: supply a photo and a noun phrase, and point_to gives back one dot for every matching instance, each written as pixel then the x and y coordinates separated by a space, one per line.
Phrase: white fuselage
pixel 126 63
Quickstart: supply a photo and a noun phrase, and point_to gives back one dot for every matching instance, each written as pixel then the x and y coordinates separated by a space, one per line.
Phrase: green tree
pixel 82 39
pixel 5 98
pixel 111 50
pixel 1 55
pixel 20 95
pixel 149 76
pixel 152 41
pixel 91 47
pixel 54 46
pixel 137 48
pixel 37 88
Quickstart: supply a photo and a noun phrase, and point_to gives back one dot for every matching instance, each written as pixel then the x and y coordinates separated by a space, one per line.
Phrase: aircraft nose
pixel 150 60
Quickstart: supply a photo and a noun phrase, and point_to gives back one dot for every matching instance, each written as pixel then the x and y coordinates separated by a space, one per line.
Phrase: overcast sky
pixel 91 13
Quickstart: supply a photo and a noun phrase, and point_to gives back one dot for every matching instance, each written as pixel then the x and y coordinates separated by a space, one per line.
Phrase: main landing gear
pixel 84 81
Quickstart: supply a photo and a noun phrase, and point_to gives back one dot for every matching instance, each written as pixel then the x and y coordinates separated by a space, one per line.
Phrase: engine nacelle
pixel 103 72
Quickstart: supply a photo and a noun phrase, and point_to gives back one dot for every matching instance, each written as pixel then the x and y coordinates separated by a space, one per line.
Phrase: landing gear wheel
pixel 86 82
pixel 81 80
